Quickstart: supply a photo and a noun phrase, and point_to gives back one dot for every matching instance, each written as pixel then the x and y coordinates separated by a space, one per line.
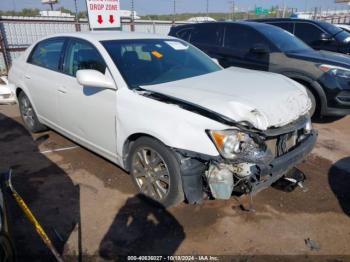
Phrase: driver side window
pixel 82 55
pixel 309 33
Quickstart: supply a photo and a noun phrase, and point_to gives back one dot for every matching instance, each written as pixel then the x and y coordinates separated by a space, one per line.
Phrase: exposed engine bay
pixel 260 160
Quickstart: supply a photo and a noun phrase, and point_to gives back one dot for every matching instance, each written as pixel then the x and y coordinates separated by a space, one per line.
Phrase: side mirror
pixel 260 49
pixel 94 78
pixel 325 37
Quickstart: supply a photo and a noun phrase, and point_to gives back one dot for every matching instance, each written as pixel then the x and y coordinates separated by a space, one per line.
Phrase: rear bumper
pixel 281 165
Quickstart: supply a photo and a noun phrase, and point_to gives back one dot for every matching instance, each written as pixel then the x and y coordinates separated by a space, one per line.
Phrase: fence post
pixel 132 22
pixel 3 47
pixel 77 27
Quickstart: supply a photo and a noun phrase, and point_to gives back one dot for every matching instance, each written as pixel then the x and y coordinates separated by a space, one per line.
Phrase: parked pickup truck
pixel 165 112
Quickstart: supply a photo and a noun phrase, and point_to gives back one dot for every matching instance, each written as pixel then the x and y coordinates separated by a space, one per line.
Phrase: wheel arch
pixel 128 144
pixel 18 91
pixel 314 87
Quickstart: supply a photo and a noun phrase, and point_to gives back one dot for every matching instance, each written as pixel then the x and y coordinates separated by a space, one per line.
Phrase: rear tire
pixel 155 171
pixel 28 114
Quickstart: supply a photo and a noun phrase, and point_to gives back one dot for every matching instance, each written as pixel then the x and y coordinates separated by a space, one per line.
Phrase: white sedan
pixel 164 111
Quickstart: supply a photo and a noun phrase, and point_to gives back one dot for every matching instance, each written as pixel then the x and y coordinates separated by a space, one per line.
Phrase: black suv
pixel 319 35
pixel 260 46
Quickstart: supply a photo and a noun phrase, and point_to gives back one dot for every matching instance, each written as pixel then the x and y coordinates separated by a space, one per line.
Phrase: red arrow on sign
pixel 99 19
pixel 111 19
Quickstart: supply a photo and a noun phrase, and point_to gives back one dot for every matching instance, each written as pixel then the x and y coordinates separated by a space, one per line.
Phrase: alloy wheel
pixel 27 112
pixel 151 173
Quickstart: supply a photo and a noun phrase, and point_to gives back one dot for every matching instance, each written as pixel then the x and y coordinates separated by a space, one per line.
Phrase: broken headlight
pixel 234 144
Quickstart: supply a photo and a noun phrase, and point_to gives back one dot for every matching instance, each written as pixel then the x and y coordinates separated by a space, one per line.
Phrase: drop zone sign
pixel 103 14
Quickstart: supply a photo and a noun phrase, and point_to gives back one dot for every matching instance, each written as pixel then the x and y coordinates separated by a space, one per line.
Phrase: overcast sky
pixel 166 6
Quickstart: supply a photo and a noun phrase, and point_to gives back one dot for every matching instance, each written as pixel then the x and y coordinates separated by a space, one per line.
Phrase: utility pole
pixel 77 25
pixel 315 13
pixel 174 12
pixel 132 24
pixel 76 9
pixel 232 3
pixel 207 8
pixel 284 9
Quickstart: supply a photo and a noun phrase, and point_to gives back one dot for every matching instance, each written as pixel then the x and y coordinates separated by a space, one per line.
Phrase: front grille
pixel 282 144
pixel 284 139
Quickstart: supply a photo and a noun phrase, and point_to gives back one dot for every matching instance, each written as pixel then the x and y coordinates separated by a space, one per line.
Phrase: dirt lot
pixel 90 209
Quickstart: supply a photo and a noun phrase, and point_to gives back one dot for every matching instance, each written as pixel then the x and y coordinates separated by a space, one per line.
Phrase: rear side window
pixel 209 34
pixel 309 33
pixel 47 54
pixel 242 37
pixel 82 55
pixel 285 26
pixel 184 34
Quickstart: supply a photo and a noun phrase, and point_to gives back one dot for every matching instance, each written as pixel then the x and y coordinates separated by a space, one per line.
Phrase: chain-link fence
pixel 17 33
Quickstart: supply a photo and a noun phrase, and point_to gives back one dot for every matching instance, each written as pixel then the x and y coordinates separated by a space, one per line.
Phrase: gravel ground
pixel 90 208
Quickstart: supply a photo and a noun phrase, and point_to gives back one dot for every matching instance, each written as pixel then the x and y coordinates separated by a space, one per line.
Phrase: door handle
pixel 62 90
pixel 27 76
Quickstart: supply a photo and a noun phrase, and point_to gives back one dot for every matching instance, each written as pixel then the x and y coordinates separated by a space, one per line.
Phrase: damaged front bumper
pixel 240 178
pixel 221 177
pixel 281 165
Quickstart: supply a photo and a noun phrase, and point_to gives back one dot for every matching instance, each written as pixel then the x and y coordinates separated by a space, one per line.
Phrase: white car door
pixel 87 113
pixel 42 75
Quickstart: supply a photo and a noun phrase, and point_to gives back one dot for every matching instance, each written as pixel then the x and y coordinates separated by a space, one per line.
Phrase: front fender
pixel 172 125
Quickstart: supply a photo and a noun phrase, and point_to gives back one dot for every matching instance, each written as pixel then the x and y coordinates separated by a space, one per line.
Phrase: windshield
pixel 331 29
pixel 283 40
pixel 343 36
pixel 340 34
pixel 155 61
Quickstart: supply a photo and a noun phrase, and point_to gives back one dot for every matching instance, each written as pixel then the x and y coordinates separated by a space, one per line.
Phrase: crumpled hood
pixel 261 98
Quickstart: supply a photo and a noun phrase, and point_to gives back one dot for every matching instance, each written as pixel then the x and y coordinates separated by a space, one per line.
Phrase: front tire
pixel 28 114
pixel 156 171
pixel 312 111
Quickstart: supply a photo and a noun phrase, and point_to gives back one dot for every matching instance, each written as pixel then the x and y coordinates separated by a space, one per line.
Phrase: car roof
pixel 291 19
pixel 110 35
pixel 249 23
